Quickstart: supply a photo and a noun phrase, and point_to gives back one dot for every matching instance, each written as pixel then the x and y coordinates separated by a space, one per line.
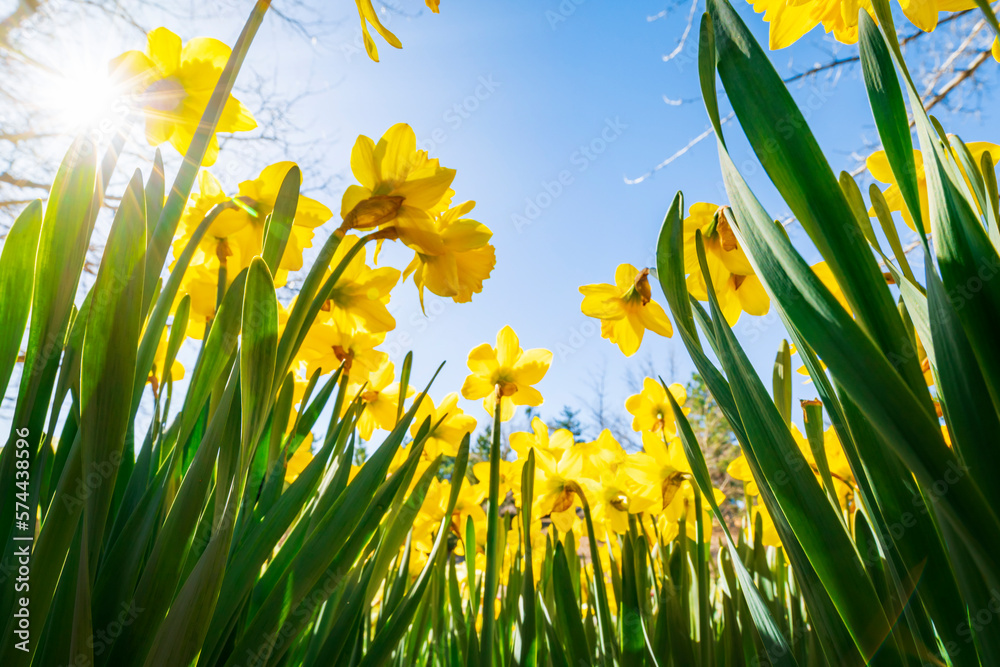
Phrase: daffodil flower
pixel 449 424
pixel 452 258
pixel 299 460
pixel 236 235
pixel 736 285
pixel 380 399
pixel 684 505
pixel 791 19
pixel 555 488
pixel 159 374
pixel 878 166
pixel 659 469
pixel 551 446
pixel 359 298
pixel 505 374
pixel 326 347
pixel 613 496
pixel 172 84
pixel 626 309
pixel 650 409
pixel 399 186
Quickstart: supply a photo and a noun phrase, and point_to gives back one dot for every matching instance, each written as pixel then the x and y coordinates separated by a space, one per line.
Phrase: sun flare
pixel 76 97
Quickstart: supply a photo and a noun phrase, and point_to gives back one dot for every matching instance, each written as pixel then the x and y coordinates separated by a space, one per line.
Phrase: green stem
pixel 704 634
pixel 492 537
pixel 609 649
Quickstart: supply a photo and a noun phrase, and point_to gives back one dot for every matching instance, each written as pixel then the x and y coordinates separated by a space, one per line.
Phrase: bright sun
pixel 77 97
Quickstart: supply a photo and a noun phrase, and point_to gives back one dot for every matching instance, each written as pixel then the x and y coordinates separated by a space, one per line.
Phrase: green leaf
pixel 257 354
pixel 774 640
pixel 279 226
pixel 108 359
pixel 891 119
pixel 17 272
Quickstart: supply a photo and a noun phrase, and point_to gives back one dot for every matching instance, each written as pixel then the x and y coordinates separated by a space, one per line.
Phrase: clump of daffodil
pixel 791 19
pixel 626 309
pixel 651 410
pixel 236 235
pixel 172 83
pixel 407 196
pixel 878 166
pixel 505 374
pixel 736 285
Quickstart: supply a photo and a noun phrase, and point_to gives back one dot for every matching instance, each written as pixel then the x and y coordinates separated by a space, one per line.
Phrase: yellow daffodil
pixel 736 285
pixel 446 436
pixel 359 298
pixel 769 534
pixel 400 187
pixel 613 497
pixel 650 409
pixel 469 504
pixel 840 467
pixel 603 453
pixel 380 399
pixel 683 505
pixel 236 236
pixel 202 285
pixel 878 166
pixel 659 469
pixel 739 470
pixel 452 258
pixel 626 309
pixel 368 15
pixel 326 347
pixel 159 374
pixel 791 19
pixel 554 495
pixel 505 374
pixel 299 460
pixel 172 84
pixel 552 446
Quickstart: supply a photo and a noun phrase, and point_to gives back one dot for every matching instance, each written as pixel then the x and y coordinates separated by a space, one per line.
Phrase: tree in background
pixel 48 72
pixel 568 420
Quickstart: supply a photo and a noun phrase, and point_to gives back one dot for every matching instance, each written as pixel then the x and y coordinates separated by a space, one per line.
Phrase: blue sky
pixel 545 108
